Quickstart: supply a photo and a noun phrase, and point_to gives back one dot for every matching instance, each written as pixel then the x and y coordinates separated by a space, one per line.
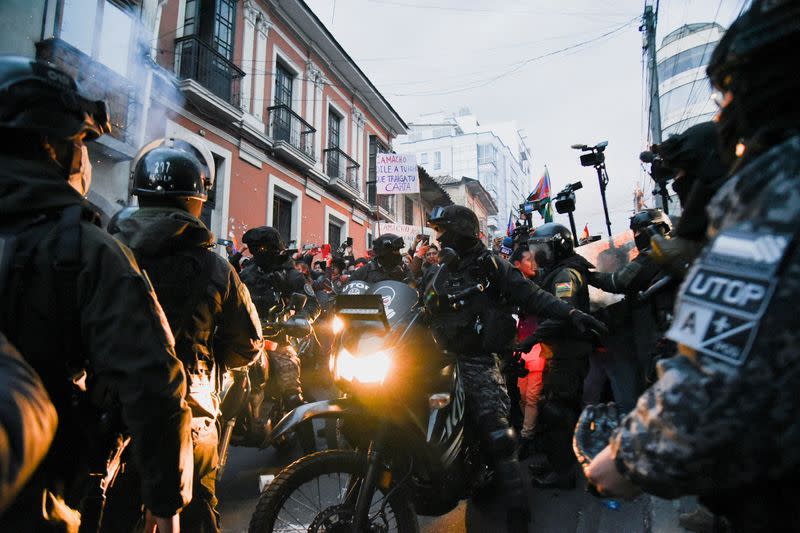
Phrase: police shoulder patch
pixel 727 292
pixel 564 289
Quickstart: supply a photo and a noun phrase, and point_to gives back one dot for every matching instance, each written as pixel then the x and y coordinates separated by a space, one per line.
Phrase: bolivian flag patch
pixel 564 290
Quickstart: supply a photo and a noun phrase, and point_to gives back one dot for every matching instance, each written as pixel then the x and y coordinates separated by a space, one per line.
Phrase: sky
pixel 569 72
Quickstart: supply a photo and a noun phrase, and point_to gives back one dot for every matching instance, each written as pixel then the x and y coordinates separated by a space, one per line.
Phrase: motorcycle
pixel 241 403
pixel 403 414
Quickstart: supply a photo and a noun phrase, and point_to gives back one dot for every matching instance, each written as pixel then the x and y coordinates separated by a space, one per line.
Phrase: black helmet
pixel 173 167
pixel 387 244
pixel 38 97
pixel 754 61
pixel 265 236
pixel 550 243
pixel 645 223
pixel 461 220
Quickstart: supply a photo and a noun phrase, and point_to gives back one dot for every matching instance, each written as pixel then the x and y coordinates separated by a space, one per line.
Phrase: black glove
pixel 586 324
pixel 526 344
pixel 515 366
pixel 593 431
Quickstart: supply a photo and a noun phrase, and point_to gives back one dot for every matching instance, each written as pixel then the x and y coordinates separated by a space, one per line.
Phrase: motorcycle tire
pixel 310 467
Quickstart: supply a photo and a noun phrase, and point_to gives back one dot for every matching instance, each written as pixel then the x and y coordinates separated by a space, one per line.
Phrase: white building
pixel 684 89
pixel 497 155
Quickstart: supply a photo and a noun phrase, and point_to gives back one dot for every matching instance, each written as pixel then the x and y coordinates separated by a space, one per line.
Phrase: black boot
pixel 526 448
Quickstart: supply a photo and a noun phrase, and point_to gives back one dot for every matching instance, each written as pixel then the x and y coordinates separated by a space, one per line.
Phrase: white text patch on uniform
pixel 726 293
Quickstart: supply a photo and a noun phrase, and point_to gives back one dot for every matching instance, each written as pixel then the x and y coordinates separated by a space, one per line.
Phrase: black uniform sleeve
pixel 360 274
pixel 526 294
pixel 27 422
pixel 130 347
pixel 238 341
pixel 635 276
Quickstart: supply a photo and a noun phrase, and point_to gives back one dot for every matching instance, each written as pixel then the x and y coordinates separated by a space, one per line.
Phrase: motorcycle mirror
pixel 448 257
pixel 298 301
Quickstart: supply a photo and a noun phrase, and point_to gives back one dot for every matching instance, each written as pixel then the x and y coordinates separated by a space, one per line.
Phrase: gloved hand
pixel 676 255
pixel 587 324
pixel 515 366
pixel 593 431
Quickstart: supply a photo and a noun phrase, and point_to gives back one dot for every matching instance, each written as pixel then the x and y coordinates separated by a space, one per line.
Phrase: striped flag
pixel 541 194
pixel 510 227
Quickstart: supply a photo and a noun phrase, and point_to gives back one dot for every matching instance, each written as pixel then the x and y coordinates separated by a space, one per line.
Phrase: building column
pixel 251 15
pixel 319 83
pixel 261 68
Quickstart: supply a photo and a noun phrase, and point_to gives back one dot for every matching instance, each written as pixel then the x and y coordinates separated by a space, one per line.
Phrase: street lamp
pixel 595 157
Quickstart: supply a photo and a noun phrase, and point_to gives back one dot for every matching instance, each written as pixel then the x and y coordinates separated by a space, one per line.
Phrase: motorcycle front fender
pixel 338 408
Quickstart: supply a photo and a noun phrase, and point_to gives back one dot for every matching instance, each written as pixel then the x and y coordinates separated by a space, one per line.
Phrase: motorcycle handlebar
pixel 458 299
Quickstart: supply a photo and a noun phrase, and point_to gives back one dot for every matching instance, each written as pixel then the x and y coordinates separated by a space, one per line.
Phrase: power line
pixel 490 11
pixel 520 65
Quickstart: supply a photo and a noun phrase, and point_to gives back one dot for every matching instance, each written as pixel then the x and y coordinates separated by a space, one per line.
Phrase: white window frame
pixel 340 217
pixel 291 193
pixel 219 215
pixel 437 160
pixel 423 158
pixel 279 55
pixel 343 146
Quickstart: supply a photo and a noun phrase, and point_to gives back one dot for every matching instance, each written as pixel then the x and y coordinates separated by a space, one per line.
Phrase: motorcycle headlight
pixel 372 368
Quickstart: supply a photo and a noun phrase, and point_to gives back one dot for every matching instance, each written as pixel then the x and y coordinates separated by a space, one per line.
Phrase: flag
pixel 585 234
pixel 542 190
pixel 510 226
pixel 541 195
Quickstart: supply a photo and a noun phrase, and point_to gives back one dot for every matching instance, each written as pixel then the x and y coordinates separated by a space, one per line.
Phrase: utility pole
pixel 648 29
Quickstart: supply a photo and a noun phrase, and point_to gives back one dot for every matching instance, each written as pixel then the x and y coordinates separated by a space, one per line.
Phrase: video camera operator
pixel 693 158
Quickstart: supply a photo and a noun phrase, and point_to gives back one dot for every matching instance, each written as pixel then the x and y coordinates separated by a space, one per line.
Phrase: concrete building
pixel 470 193
pixel 292 121
pixel 496 155
pixel 683 88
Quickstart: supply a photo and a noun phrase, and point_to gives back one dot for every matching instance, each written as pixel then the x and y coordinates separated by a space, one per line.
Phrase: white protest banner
pixel 396 174
pixel 405 231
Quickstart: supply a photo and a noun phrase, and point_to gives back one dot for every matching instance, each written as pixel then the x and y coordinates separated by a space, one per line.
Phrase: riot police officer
pixel 722 420
pixel 74 302
pixel 482 330
pixel 646 311
pixel 387 263
pixel 272 279
pixel 564 274
pixel 213 319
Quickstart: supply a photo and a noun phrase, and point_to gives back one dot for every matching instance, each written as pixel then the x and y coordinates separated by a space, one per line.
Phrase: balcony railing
pixel 286 125
pixel 340 165
pixel 200 62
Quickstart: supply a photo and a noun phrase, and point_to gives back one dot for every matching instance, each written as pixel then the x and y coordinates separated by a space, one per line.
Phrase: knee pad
pixel 501 443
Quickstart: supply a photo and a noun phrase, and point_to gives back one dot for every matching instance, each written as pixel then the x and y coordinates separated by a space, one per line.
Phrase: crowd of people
pixel 129 334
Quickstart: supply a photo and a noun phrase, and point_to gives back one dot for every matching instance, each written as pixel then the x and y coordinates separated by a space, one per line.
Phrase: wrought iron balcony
pixel 341 166
pixel 198 61
pixel 287 126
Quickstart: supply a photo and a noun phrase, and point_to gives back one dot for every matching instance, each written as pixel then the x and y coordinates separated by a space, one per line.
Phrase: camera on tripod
pixel 565 200
pixel 595 157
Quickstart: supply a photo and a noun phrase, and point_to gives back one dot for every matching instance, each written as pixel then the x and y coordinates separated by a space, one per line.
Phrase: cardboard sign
pixel 396 174
pixel 406 232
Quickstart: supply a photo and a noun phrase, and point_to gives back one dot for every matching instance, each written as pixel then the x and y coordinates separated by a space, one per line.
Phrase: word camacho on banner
pixel 396 174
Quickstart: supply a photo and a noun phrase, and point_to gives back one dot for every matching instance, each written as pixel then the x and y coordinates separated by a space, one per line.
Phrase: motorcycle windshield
pixel 398 298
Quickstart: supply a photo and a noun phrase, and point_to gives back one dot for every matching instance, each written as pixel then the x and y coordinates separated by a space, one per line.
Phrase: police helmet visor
pixel 542 250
